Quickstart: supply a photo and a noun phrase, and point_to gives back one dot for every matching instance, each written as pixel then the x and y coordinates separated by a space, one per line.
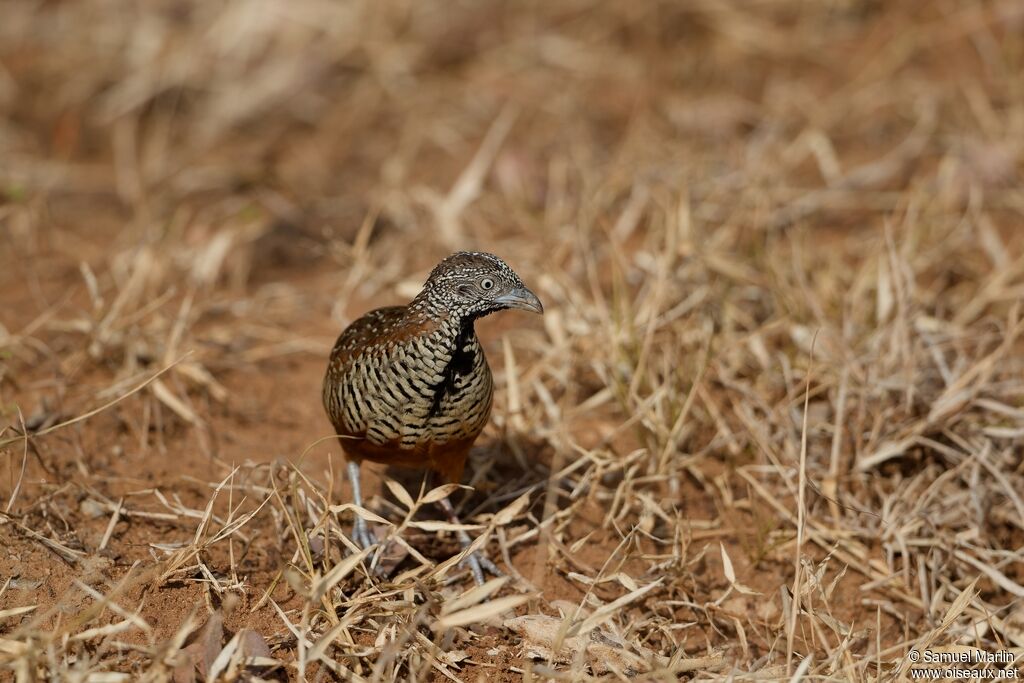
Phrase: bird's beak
pixel 521 298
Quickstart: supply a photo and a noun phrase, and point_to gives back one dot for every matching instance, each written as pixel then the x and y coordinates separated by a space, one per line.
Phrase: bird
pixel 410 386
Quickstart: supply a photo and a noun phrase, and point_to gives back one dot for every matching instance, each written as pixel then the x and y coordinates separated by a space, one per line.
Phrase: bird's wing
pixel 370 331
pixel 361 355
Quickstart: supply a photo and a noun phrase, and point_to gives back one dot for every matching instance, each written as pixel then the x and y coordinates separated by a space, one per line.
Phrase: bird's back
pixel 405 389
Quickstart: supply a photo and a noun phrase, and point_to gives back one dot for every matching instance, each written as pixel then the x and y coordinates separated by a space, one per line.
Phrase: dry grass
pixel 769 428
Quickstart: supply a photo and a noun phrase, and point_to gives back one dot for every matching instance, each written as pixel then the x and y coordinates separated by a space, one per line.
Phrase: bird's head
pixel 470 284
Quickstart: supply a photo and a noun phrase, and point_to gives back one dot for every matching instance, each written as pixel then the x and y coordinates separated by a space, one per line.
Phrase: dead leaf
pixel 601 651
pixel 253 649
pixel 362 512
pixel 202 651
pixel 399 492
pixel 514 508
pixel 443 491
pixel 483 612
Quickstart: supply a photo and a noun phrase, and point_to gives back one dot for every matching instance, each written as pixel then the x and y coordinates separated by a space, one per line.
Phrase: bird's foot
pixel 476 561
pixel 362 534
pixel 388 555
pixel 479 563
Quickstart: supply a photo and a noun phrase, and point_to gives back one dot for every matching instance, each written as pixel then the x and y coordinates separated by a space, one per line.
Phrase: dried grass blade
pixel 601 614
pixel 337 573
pixel 487 610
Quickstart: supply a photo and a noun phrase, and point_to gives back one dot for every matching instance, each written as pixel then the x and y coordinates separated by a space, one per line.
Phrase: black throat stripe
pixel 461 364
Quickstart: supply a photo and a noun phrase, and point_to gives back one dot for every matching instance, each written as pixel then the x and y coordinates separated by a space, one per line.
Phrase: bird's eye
pixel 487 283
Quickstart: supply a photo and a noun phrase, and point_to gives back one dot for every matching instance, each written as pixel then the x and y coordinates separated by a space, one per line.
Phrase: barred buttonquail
pixel 410 386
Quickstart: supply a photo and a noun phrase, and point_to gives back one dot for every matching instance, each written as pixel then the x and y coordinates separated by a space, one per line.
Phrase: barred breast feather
pixel 406 389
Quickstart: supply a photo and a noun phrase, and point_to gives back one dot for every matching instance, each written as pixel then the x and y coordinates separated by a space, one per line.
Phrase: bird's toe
pixel 479 563
pixel 362 534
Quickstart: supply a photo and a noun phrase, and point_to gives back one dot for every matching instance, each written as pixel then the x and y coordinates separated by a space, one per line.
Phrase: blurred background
pixel 463 122
pixel 778 242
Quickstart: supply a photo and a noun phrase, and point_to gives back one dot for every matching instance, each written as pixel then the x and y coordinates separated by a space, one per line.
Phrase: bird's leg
pixel 477 561
pixel 361 533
